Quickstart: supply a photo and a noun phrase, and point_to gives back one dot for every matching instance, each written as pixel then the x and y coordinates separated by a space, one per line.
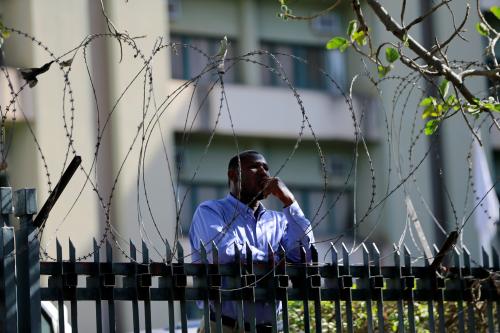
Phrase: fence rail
pixel 142 281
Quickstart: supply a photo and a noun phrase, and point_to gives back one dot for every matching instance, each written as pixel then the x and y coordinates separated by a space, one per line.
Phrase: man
pixel 240 218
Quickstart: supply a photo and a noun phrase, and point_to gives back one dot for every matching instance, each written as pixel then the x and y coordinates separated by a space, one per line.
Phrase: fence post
pixel 28 262
pixel 8 297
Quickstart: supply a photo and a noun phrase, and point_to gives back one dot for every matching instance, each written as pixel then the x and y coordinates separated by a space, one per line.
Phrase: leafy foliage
pixel 391 317
pixel 4 34
pixel 429 62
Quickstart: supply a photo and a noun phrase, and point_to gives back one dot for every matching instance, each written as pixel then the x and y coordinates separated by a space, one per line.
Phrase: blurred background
pixel 156 143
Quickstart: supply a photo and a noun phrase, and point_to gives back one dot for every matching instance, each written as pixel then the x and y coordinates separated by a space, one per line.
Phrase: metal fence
pixel 141 282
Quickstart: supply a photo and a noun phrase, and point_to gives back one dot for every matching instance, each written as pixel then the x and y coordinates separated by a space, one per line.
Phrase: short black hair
pixel 233 162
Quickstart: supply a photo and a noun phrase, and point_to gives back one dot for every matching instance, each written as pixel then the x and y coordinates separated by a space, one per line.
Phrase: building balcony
pixel 272 112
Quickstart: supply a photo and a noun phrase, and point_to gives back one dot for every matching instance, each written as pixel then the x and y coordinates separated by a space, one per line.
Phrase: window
pixel 174 9
pixel 303 75
pixel 188 60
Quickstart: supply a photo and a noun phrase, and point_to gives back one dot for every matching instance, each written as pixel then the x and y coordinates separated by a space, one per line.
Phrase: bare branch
pixel 492 41
pixel 421 18
pixel 454 24
pixel 362 22
pixel 311 17
pixel 413 65
pixel 403 10
pixel 493 74
pixel 392 26
pixel 456 32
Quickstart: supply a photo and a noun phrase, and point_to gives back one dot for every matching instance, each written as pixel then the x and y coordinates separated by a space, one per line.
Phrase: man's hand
pixel 276 187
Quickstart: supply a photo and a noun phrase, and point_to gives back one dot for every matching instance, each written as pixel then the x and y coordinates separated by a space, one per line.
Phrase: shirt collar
pixel 243 208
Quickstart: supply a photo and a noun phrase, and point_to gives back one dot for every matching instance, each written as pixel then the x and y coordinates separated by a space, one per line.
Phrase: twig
pixel 456 32
pixel 362 22
pixel 421 18
pixel 421 51
pixel 492 41
pixel 403 9
pixel 493 74
pixel 311 17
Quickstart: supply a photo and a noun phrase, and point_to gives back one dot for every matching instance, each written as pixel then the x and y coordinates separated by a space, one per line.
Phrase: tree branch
pixel 311 17
pixel 456 32
pixel 434 62
pixel 493 74
pixel 362 22
pixel 421 18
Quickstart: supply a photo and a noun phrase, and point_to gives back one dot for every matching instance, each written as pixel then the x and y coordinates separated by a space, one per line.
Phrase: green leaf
pixel 335 43
pixel 482 29
pixel 489 106
pixel 353 26
pixel 383 70
pixel 427 101
pixel 405 40
pixel 428 111
pixel 391 54
pixel 496 11
pixel 451 100
pixel 444 86
pixel 431 126
pixel 5 34
pixel 344 47
pixel 359 37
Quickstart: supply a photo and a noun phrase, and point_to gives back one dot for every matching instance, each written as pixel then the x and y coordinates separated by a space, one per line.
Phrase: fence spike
pixel 375 257
pixel 133 252
pixel 145 253
pixel 270 254
pixel 109 252
pixel 366 254
pixel 486 258
pixel 335 256
pixel 397 256
pixel 466 254
pixel 58 250
pixel 314 254
pixel 303 254
pixel 237 253
pixel 72 251
pixel 96 250
pixel 249 257
pixel 281 252
pixel 215 253
pixel 456 259
pixel 203 253
pixel 180 253
pixel 407 256
pixel 168 252
pixel 345 257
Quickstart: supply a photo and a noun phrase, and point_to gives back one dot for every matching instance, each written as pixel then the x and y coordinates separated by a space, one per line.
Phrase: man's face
pixel 254 173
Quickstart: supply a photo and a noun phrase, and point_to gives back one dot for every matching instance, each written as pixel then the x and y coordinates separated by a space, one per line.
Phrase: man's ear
pixel 231 175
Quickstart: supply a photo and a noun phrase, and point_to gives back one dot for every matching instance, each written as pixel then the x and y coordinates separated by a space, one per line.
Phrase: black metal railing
pixel 312 285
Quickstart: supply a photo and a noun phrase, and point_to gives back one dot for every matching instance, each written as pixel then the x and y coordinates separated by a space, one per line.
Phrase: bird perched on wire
pixel 30 74
pixel 221 55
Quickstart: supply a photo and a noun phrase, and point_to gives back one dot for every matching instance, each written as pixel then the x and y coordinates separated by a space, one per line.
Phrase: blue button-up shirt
pixel 228 221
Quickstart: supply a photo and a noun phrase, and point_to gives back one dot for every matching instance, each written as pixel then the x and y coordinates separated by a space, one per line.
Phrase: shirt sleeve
pixel 298 232
pixel 209 225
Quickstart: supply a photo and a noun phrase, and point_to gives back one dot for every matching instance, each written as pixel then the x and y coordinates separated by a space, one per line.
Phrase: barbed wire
pixel 153 112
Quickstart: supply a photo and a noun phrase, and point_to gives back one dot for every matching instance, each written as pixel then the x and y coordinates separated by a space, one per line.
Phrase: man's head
pixel 254 172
